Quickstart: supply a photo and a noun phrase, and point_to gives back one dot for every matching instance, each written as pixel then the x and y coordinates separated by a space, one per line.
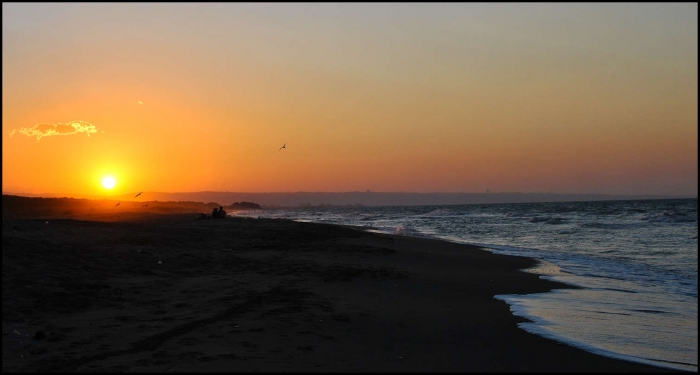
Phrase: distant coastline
pixel 356 198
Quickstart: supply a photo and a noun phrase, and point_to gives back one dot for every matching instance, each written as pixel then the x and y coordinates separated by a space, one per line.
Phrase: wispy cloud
pixel 46 130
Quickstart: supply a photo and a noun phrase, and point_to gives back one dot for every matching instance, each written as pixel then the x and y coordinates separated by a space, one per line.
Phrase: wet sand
pixel 167 293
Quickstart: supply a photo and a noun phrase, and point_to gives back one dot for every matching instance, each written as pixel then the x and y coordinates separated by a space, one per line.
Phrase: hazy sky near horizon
pixel 413 97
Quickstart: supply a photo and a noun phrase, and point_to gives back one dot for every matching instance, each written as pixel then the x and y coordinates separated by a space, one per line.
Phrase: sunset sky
pixel 412 97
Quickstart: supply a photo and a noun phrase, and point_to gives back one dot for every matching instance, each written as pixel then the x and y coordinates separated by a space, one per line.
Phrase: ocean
pixel 636 261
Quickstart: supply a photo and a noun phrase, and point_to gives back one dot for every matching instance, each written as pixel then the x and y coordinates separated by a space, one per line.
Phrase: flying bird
pixel 138 195
pixel 117 204
pixel 145 205
pixel 285 146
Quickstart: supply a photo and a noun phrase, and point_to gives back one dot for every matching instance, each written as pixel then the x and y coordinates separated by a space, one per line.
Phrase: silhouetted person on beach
pixel 222 213
pixel 215 213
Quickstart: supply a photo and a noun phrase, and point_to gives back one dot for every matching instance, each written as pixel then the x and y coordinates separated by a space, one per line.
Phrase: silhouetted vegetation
pixel 244 206
pixel 25 207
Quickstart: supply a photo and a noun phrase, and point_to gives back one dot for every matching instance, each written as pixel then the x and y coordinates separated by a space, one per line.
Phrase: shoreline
pixel 267 295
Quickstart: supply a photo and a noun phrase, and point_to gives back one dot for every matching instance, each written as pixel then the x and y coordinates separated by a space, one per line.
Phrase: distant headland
pixel 354 198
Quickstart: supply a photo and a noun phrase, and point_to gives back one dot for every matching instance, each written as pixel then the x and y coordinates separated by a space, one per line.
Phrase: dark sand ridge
pixel 262 295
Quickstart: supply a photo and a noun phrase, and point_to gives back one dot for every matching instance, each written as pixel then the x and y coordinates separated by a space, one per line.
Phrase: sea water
pixel 636 261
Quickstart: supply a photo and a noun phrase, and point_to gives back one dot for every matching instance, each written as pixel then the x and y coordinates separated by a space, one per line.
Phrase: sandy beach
pixel 167 293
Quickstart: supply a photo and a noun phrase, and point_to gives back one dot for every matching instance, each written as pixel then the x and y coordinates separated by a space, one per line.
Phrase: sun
pixel 109 182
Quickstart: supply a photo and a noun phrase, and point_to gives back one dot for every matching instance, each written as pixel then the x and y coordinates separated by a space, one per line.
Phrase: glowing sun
pixel 109 182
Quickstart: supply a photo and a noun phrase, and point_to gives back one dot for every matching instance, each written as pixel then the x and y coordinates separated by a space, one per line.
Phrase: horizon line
pixel 346 192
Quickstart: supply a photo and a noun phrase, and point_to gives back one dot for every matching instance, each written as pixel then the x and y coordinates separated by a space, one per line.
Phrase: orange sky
pixel 565 98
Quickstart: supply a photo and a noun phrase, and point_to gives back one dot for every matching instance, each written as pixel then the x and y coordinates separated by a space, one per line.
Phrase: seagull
pixel 138 194
pixel 117 204
pixel 285 146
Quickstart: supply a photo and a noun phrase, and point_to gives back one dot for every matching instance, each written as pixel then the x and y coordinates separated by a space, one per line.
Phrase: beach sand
pixel 167 293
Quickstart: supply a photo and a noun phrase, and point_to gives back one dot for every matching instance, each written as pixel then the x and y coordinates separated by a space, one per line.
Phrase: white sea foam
pixel 439 212
pixel 403 230
pixel 669 217
pixel 545 268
